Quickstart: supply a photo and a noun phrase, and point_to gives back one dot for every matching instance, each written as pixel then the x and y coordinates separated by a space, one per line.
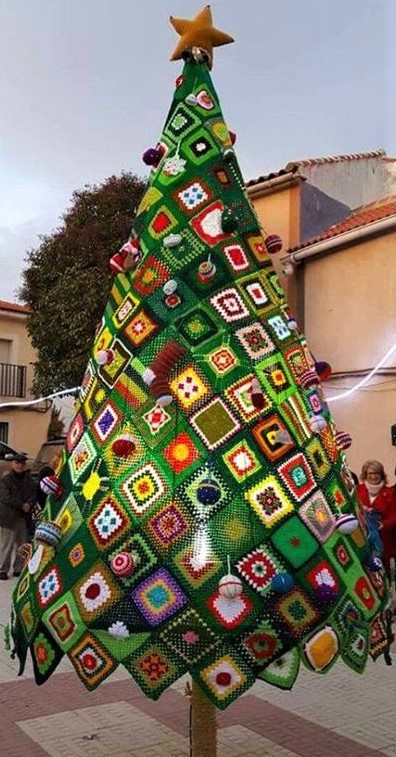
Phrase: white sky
pixel 85 86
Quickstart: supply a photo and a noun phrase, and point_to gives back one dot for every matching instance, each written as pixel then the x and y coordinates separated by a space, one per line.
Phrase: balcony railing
pixel 12 380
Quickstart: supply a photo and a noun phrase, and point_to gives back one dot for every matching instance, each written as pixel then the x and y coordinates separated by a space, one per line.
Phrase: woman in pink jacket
pixel 375 495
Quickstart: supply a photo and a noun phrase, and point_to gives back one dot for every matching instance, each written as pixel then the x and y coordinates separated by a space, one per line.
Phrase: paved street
pixel 341 714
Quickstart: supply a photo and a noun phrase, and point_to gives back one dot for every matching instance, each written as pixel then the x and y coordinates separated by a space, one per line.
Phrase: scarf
pixel 373 489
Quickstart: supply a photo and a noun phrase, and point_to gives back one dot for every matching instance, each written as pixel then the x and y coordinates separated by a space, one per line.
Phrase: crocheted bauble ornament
pixel 48 533
pixel 282 583
pixel 105 357
pixel 230 587
pixel 317 423
pixel 229 221
pixel 208 491
pixel 51 485
pixel 343 440
pixel 273 244
pixel 323 370
pixel 152 156
pixel 326 594
pixel 347 523
pixel 172 240
pixel 123 446
pixel 308 379
pixel 206 272
pixel 256 394
pixel 123 564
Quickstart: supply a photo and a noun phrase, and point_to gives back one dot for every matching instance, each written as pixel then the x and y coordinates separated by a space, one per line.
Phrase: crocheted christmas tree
pixel 204 518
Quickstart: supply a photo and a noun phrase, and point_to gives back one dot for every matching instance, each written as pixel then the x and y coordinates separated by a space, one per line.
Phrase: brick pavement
pixel 337 715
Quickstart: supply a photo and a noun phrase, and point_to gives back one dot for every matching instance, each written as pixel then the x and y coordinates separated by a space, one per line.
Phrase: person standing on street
pixel 17 498
pixel 379 499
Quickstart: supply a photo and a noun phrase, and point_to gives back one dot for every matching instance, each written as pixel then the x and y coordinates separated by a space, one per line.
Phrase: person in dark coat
pixel 17 498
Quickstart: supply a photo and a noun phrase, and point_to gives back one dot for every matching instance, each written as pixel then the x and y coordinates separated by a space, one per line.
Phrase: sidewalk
pixel 340 714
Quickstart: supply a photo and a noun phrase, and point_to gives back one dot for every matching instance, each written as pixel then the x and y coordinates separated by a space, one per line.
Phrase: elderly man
pixel 17 497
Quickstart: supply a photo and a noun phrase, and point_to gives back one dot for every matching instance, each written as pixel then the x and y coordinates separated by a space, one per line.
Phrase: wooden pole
pixel 203 724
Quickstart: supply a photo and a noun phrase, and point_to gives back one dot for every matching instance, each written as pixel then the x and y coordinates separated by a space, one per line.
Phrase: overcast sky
pixel 85 86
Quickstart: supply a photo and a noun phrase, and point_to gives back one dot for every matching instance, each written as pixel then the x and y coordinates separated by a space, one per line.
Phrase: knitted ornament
pixel 35 560
pixel 343 440
pixel 105 357
pixel 48 533
pixel 256 394
pixel 132 247
pixel 282 583
pixel 323 370
pixel 127 258
pixel 273 244
pixel 373 564
pixel 228 155
pixel 229 221
pixel 198 35
pixel 172 240
pixel 24 553
pixel 208 492
pixel 152 156
pixel 292 324
pixel 170 287
pixel 347 523
pixel 123 564
pixel 124 445
pixel 157 374
pixel 166 358
pixel 159 388
pixel 117 263
pixel 51 485
pixel 206 272
pixel 282 436
pixel 325 594
pixel 308 379
pixel 230 587
pixel 317 423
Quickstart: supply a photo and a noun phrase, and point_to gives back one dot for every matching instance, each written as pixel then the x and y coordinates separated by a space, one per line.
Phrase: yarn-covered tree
pixel 204 519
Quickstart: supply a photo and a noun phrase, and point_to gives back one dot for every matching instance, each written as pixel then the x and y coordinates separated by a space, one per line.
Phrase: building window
pixel 4 432
pixel 5 350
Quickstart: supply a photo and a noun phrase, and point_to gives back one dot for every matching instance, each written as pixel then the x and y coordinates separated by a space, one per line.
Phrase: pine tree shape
pixel 204 518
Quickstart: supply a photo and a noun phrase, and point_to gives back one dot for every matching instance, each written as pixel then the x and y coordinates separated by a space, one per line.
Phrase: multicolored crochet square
pixel 200 515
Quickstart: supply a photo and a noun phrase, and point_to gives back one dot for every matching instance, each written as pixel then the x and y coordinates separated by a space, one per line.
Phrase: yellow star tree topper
pixel 199 33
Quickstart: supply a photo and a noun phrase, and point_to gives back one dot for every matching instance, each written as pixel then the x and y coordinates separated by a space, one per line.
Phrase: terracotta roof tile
pixel 294 165
pixel 290 168
pixel 337 158
pixel 14 307
pixel 362 216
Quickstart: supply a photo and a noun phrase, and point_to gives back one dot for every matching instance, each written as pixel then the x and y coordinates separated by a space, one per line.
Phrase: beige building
pixel 23 428
pixel 337 218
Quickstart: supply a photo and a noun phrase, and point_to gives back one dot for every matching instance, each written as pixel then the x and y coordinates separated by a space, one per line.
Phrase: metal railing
pixel 12 380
